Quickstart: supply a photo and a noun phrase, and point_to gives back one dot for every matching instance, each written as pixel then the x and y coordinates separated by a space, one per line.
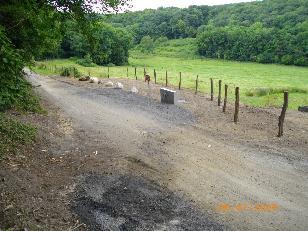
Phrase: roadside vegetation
pixel 32 30
pixel 260 85
pixel 14 135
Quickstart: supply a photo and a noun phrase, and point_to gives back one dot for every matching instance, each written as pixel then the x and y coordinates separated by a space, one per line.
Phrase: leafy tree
pixel 31 28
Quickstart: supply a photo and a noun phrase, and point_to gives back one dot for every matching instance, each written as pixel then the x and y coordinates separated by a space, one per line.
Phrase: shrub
pixel 287 59
pixel 15 91
pixel 86 61
pixel 111 65
pixel 161 41
pixel 70 72
pixel 259 92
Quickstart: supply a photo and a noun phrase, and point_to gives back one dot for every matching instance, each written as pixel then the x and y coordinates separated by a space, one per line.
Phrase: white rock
pixel 93 80
pixel 109 84
pixel 118 86
pixel 134 90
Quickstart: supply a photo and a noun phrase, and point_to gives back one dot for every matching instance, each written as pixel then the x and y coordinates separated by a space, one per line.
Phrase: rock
pixel 134 90
pixel 93 80
pixel 100 81
pixel 303 109
pixel 118 86
pixel 84 78
pixel 109 84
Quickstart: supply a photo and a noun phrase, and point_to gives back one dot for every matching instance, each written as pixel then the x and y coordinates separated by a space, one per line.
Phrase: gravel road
pixel 168 172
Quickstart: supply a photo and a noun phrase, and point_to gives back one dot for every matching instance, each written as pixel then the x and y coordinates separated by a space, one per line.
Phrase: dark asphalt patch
pixel 132 203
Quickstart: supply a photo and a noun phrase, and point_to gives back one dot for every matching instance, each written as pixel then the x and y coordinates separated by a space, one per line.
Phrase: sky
pixel 154 4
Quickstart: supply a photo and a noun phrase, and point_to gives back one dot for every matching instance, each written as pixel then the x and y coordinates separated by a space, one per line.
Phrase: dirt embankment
pixel 115 160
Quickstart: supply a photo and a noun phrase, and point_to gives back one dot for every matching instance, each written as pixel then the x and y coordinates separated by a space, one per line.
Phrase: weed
pixel 14 134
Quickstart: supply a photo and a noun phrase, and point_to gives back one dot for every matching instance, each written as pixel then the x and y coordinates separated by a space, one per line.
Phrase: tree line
pixel 269 31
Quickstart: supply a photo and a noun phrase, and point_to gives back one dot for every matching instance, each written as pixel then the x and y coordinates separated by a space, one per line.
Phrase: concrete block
pixel 167 96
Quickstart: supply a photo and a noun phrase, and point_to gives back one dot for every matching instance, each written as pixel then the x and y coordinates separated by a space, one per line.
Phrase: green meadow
pixel 261 85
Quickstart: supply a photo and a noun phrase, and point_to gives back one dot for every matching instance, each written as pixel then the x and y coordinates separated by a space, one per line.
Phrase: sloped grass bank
pixel 14 135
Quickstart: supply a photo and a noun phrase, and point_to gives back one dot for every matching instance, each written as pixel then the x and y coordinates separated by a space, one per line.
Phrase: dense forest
pixel 269 31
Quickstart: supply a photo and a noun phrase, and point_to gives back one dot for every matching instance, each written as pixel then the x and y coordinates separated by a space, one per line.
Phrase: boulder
pixel 118 86
pixel 93 80
pixel 134 90
pixel 109 84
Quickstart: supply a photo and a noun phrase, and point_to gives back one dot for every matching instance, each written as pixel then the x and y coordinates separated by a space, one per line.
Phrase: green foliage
pixel 146 45
pixel 254 43
pixel 111 45
pixel 86 61
pixel 160 41
pixel 70 72
pixel 15 90
pixel 271 91
pixel 268 31
pixel 105 44
pixel 14 134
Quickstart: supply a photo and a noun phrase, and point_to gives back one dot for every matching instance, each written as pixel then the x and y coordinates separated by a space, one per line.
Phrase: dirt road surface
pixel 141 165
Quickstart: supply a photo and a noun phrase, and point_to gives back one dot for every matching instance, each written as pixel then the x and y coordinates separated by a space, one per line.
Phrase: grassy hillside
pixel 260 84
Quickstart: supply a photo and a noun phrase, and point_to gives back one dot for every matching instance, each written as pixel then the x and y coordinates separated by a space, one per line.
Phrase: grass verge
pixel 14 135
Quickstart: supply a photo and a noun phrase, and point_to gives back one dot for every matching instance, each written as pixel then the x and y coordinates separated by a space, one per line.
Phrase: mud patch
pixel 132 203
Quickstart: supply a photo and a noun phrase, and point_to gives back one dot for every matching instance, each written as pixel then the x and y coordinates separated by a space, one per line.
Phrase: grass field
pixel 260 84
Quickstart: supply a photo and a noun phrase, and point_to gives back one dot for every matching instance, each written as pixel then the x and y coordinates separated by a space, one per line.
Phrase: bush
pixel 111 65
pixel 70 72
pixel 161 41
pixel 301 61
pixel 287 59
pixel 146 45
pixel 15 91
pixel 86 61
pixel 263 91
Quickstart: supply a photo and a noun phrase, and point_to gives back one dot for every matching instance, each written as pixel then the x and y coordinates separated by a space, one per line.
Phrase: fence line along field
pixel 261 85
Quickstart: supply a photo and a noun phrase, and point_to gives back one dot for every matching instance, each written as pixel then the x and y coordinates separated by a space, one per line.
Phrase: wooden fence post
pixel 136 73
pixel 144 72
pixel 283 113
pixel 108 73
pixel 212 90
pixel 225 99
pixel 180 82
pixel 155 76
pixel 166 78
pixel 127 72
pixel 197 81
pixel 237 104
pixel 219 92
